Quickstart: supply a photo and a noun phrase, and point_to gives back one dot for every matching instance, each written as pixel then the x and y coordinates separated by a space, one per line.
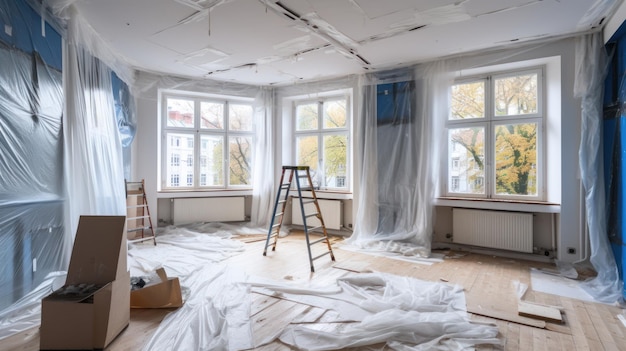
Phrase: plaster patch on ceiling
pixel 509 8
pixel 203 56
pixel 375 9
pixel 294 45
pixel 439 15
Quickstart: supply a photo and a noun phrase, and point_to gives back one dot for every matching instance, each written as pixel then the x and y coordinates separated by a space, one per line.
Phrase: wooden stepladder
pixel 300 174
pixel 138 219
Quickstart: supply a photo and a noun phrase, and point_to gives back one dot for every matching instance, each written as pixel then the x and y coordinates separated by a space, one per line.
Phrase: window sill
pixel 170 194
pixel 499 204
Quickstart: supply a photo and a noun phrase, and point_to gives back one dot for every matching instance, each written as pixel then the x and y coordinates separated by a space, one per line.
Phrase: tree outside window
pixel 322 140
pixel 497 118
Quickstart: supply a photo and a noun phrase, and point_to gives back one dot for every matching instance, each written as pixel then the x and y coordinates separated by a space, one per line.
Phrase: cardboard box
pixel 164 293
pixel 93 306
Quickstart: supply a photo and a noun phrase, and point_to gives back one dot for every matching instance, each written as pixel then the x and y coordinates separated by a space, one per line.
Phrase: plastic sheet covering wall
pixel 590 73
pixel 31 152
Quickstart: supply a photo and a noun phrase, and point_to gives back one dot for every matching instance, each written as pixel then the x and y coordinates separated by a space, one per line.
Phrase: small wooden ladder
pixel 276 222
pixel 137 213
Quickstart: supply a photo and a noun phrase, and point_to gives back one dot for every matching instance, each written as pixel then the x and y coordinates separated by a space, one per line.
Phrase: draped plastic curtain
pixel 589 83
pixel 399 154
pixel 94 169
pixel 263 162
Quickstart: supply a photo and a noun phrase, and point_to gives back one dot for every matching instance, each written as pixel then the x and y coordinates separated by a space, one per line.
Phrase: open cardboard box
pixel 164 293
pixel 93 306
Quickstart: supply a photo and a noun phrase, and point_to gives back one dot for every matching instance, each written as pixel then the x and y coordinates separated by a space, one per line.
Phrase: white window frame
pixel 196 132
pixel 320 132
pixel 489 123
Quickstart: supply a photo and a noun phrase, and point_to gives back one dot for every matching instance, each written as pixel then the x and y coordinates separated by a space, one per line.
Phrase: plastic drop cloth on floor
pixel 404 313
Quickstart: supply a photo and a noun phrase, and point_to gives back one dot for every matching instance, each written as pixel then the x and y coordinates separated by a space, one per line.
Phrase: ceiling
pixel 269 42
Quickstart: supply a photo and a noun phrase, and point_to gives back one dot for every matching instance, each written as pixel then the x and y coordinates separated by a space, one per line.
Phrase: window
pixel 214 138
pixel 175 160
pixel 495 136
pixel 322 140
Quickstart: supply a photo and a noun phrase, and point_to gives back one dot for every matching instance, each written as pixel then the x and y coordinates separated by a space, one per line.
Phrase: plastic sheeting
pixel 404 313
pixel 590 73
pixel 408 314
pixel 400 157
pixel 31 150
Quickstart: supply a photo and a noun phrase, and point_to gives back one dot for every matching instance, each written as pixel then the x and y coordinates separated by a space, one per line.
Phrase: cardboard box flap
pixel 98 244
pixel 164 293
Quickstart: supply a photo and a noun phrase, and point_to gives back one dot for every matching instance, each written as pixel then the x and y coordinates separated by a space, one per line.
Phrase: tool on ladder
pixel 137 213
pixel 276 222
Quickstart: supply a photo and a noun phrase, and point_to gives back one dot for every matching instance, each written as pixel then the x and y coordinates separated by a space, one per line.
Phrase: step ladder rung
pixel 311 214
pixel 317 241
pixel 141 239
pixel 134 218
pixel 282 201
pixel 321 255
pixel 312 229
pixel 279 214
pixel 304 202
pixel 285 186
pixel 138 229
pixel 276 225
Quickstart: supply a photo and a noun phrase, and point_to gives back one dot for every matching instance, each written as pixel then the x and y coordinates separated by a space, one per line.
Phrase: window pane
pixel 240 117
pixel 335 160
pixel 335 114
pixel 516 95
pixel 180 113
pixel 240 159
pixel 212 149
pixel 516 159
pixel 212 115
pixel 306 148
pixel 178 155
pixel 466 156
pixel 306 116
pixel 468 101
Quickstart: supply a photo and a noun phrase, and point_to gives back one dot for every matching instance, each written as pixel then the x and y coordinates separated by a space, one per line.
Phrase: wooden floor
pixel 487 281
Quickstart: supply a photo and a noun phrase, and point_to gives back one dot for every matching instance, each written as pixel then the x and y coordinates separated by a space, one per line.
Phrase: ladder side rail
pixel 273 219
pixel 320 218
pixel 306 230
pixel 145 201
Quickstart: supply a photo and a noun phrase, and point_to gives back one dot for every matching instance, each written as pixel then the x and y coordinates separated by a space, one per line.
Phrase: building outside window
pixel 217 137
pixel 495 136
pixel 322 140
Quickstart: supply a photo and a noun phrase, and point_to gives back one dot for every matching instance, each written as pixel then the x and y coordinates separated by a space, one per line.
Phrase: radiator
pixel 331 212
pixel 494 229
pixel 208 209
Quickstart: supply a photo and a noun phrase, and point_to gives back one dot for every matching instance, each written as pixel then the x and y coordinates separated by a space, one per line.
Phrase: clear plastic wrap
pixel 396 197
pixel 590 73
pixel 32 233
pixel 60 152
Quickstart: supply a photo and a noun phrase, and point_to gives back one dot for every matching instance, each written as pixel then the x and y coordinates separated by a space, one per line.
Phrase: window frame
pixel 489 122
pixel 320 132
pixel 196 132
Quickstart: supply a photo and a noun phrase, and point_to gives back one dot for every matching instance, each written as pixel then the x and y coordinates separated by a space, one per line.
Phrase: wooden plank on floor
pixel 505 316
pixel 545 313
pixel 354 266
